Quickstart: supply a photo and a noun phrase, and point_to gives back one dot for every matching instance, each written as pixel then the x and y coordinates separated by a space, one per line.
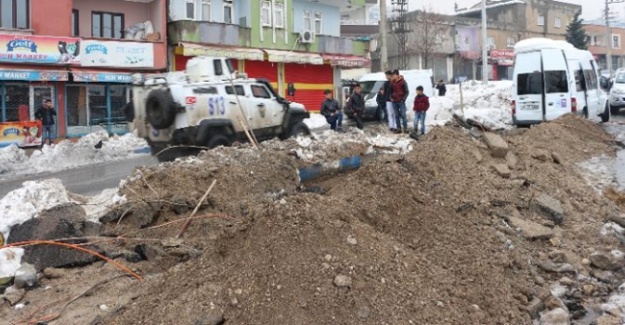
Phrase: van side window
pixel 530 83
pixel 591 79
pixel 556 82
pixel 580 80
pixel 219 71
pixel 238 88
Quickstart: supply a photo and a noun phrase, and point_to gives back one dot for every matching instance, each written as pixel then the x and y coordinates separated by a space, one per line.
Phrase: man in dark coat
pixel 331 111
pixel 442 89
pixel 357 102
pixel 46 115
pixel 388 91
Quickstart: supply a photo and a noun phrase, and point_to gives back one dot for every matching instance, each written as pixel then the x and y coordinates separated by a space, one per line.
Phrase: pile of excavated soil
pixel 425 237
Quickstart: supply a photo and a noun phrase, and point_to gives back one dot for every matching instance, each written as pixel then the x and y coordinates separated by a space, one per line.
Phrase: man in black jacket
pixel 388 91
pixel 357 101
pixel 332 112
pixel 46 115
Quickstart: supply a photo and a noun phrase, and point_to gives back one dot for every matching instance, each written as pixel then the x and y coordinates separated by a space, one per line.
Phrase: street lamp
pixel 608 31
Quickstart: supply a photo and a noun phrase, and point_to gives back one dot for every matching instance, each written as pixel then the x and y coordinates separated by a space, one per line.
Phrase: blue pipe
pixel 326 168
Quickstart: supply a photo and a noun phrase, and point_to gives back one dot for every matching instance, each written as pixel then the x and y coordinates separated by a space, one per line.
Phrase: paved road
pixel 86 180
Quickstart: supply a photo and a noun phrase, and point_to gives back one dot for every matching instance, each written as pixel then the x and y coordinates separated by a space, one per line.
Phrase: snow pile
pixel 316 121
pixel 488 104
pixel 34 197
pixel 68 154
pixel 600 172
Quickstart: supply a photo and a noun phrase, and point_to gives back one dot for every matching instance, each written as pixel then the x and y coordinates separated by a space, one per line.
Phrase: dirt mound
pixel 444 234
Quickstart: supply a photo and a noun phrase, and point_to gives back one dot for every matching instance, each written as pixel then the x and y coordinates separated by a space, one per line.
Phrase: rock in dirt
pixel 603 276
pixel 607 319
pixel 497 145
pixel 14 295
pixel 25 276
pixel 556 158
pixel 502 170
pixel 608 261
pixel 618 219
pixel 342 281
pixel 53 273
pixel 529 229
pixel 535 307
pixel 213 318
pixel 64 221
pixel 549 206
pixel 556 267
pixel 512 160
pixel 557 316
pixel 542 155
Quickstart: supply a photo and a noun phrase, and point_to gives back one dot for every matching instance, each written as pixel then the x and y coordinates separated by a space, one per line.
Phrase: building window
pixel 227 12
pixel 265 13
pixel 541 20
pixel 307 21
pixel 438 39
pixel 75 24
pixel 318 23
pixel 206 10
pixel 491 43
pixel 190 9
pixel 107 25
pixel 511 41
pixel 14 14
pixel 616 41
pixel 278 15
pixel 557 23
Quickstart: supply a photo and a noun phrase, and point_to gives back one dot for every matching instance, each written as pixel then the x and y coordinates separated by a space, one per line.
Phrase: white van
pixel 552 78
pixel 372 82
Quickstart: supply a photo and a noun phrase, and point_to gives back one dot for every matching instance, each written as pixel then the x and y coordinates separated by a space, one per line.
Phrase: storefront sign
pixel 502 54
pixel 347 61
pixel 293 57
pixel 116 54
pixel 31 75
pixel 102 77
pixel 22 134
pixel 223 52
pixel 39 49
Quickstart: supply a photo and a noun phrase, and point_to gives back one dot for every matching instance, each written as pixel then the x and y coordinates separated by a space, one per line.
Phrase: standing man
pixel 357 102
pixel 46 115
pixel 390 112
pixel 398 97
pixel 442 89
pixel 332 112
pixel 421 105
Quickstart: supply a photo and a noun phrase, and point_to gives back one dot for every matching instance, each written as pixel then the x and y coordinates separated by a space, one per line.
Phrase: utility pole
pixel 485 45
pixel 383 34
pixel 608 31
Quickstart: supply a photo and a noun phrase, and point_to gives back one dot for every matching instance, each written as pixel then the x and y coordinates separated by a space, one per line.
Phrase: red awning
pixel 351 61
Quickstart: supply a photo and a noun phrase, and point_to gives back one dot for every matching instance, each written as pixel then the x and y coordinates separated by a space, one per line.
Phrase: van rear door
pixel 529 88
pixel 556 76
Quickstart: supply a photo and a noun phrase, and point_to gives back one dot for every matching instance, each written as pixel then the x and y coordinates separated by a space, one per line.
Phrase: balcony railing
pixel 335 45
pixel 208 32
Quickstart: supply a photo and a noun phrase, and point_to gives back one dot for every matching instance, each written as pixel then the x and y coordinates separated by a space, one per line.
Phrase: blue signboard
pixel 32 75
pixel 102 77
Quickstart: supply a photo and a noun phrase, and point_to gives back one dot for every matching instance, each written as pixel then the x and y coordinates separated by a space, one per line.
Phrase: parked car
pixel 372 82
pixel 553 78
pixel 617 91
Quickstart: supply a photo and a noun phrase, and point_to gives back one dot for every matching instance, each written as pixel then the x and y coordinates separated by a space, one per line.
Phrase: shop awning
pixel 293 57
pixel 33 75
pixel 190 49
pixel 101 76
pixel 351 61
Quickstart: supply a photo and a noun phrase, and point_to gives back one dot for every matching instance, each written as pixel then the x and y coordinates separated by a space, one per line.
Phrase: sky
pixel 590 8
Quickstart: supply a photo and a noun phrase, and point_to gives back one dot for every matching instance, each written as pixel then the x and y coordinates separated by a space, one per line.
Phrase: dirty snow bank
pixel 67 154
pixel 34 197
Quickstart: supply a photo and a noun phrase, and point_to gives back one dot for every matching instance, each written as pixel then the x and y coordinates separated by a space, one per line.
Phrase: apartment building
pixel 597 45
pixel 295 44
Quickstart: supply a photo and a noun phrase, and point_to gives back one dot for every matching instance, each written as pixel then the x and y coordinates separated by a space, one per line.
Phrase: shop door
pixel 76 110
pixel 262 69
pixel 16 99
pixel 310 81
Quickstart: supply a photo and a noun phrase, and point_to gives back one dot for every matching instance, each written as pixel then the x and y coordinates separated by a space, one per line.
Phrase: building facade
pixel 292 43
pixel 82 59
pixel 597 44
pixel 512 20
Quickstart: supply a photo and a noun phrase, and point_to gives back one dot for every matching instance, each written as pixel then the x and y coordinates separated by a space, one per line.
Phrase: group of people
pixel 391 98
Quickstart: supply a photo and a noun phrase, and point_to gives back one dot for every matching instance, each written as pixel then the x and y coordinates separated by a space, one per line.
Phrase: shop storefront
pixel 33 68
pixel 308 73
pixel 502 62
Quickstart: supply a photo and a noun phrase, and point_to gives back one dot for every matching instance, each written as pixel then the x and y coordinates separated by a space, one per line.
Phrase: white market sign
pixel 116 54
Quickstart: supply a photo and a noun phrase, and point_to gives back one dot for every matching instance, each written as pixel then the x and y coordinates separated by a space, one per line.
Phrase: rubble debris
pixel 551 207
pixel 558 316
pixel 529 229
pixel 497 145
pixel 25 276
pixel 612 261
